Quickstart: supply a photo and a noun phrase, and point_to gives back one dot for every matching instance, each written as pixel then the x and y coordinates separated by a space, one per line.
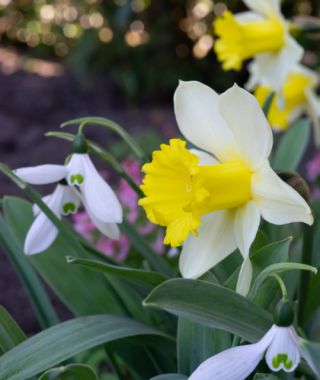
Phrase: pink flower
pixel 118 250
pixel 313 168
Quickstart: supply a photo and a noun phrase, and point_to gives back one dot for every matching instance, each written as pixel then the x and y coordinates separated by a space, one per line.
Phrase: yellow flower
pixel 297 97
pixel 213 204
pixel 262 34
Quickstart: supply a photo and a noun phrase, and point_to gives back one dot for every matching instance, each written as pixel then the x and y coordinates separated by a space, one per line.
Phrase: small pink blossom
pixel 313 168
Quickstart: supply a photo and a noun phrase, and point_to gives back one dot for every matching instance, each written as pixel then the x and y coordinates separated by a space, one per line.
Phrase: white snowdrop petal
pixel 35 208
pixel 283 352
pixel 195 106
pixel 214 242
pixel 278 202
pixel 233 364
pixel 99 197
pixel 248 124
pixel 43 232
pixel 76 169
pixel 70 201
pixel 42 174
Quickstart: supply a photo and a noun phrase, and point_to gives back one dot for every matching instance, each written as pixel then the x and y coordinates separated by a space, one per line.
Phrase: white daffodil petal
pixel 283 352
pixel 278 202
pixel 233 364
pixel 314 111
pixel 43 232
pixel 99 197
pixel 250 128
pixel 272 69
pixel 244 17
pixel 264 7
pixel 246 224
pixel 195 106
pixel 205 158
pixel 245 277
pixel 70 201
pixel 42 174
pixel 214 242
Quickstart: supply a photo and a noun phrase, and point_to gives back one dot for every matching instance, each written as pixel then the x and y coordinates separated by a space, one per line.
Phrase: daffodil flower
pixel 212 200
pixel 281 346
pixel 299 96
pixel 262 34
pixel 100 202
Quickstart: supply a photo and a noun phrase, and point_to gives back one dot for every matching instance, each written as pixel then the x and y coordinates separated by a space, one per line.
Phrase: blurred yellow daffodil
pixel 298 96
pixel 211 200
pixel 262 34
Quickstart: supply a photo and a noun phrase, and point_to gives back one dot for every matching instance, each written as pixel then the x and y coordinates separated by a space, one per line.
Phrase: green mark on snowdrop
pixel 76 179
pixel 282 358
pixel 69 208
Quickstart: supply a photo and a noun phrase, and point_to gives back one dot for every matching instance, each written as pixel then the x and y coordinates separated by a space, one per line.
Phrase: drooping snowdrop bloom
pixel 281 346
pixel 262 34
pixel 212 200
pixel 98 199
pixel 299 96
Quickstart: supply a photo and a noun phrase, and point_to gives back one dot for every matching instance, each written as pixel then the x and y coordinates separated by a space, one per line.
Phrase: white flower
pixel 98 199
pixel 213 203
pixel 262 34
pixel 280 346
pixel 299 96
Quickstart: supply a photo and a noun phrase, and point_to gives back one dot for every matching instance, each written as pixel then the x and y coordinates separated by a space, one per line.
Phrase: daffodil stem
pixel 305 275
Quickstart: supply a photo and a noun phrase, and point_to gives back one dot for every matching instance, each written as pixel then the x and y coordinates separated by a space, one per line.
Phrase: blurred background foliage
pixel 145 46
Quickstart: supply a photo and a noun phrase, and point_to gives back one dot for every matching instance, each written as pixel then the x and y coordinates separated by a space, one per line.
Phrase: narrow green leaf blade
pixel 311 352
pixel 142 277
pixel 10 333
pixel 62 341
pixel 292 146
pixel 211 305
pixel 170 376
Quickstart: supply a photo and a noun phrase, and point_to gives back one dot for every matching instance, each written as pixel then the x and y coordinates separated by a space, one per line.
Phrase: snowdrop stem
pixel 113 126
pixel 281 285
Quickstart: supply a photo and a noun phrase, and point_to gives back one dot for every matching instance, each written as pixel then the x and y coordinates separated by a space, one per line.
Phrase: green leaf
pixel 142 277
pixel 267 104
pixel 211 305
pixel 292 146
pixel 265 376
pixel 311 352
pixel 63 341
pixel 10 333
pixel 45 312
pixel 279 268
pixel 196 343
pixel 70 372
pixel 83 291
pixel 170 376
pixel 155 261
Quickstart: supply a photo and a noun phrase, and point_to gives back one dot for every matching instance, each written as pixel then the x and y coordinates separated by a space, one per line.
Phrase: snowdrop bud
pixel 80 144
pixel 284 313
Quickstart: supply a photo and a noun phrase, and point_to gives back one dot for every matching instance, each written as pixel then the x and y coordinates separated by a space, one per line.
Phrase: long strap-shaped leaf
pixel 211 305
pixel 62 341
pixel 10 333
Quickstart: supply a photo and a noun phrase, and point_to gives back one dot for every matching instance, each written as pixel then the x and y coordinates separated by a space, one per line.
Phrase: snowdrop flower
pixel 212 200
pixel 262 34
pixel 299 96
pixel 99 201
pixel 281 346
